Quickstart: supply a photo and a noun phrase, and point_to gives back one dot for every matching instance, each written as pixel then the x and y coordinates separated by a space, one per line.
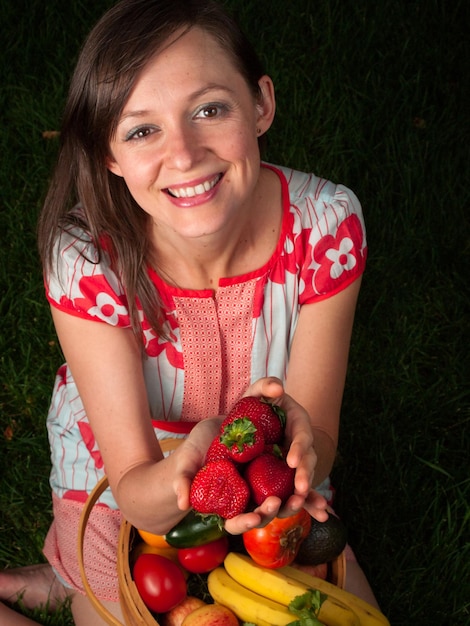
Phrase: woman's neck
pixel 200 263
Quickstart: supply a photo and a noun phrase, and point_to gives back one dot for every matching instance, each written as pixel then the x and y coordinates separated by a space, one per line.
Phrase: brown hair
pixel 112 58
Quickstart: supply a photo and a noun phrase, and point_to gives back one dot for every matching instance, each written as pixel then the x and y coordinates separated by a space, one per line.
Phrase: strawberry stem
pixel 241 432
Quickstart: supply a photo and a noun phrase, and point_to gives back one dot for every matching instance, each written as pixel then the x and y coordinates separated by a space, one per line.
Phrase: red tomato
pixel 277 544
pixel 204 558
pixel 159 581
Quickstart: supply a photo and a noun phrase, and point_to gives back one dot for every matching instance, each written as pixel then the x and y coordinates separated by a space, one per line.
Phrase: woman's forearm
pixel 325 449
pixel 154 495
pixel 146 497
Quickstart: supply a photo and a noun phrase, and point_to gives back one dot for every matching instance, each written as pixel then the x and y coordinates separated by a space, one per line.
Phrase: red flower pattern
pixel 337 258
pixel 101 301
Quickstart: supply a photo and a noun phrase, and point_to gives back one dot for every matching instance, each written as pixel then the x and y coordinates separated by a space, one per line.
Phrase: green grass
pixel 370 94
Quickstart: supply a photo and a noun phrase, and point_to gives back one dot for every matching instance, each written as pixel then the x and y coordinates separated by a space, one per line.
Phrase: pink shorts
pixel 100 547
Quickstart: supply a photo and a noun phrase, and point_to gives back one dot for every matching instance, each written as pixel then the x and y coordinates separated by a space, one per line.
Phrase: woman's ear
pixel 112 166
pixel 266 105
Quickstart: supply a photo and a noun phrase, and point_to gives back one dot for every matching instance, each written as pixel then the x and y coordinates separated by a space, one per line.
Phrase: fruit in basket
pixel 247 605
pixel 282 586
pixel 176 616
pixel 211 615
pixel 324 542
pixel 204 558
pixel 219 489
pixel 159 581
pixel 278 543
pixel 194 530
pixel 144 548
pixel 367 614
pixel 157 541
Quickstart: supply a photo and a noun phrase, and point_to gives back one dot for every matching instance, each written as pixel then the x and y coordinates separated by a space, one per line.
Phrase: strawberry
pixel 217 451
pixel 269 475
pixel 273 422
pixel 219 489
pixel 272 418
pixel 243 438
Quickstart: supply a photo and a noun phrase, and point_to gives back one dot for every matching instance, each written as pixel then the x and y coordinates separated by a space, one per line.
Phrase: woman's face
pixel 187 140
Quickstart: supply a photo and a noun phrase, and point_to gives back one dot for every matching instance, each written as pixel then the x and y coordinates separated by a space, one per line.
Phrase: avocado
pixel 325 541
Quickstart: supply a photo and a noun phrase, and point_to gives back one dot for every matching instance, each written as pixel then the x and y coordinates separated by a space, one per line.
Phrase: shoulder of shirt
pixel 302 185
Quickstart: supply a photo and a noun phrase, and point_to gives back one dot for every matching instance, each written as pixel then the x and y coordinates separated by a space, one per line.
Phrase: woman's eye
pixel 210 111
pixel 139 133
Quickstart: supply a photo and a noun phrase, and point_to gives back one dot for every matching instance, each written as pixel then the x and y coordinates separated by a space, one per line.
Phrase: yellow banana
pixel 368 614
pixel 275 586
pixel 247 605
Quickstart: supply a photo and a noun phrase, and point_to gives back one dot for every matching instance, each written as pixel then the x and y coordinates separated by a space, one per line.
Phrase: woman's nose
pixel 183 148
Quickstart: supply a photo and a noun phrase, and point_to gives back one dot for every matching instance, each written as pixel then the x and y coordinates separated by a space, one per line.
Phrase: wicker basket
pixel 133 608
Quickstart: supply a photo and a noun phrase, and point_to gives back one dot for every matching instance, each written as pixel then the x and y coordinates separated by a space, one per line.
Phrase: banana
pixel 275 586
pixel 247 605
pixel 368 614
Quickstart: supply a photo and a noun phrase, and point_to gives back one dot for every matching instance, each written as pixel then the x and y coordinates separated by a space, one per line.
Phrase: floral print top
pixel 219 340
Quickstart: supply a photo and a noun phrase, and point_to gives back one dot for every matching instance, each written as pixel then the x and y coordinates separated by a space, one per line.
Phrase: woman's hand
pixel 301 456
pixel 189 458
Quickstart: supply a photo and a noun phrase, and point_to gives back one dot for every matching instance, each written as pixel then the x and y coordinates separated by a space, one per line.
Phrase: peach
pixel 176 616
pixel 211 615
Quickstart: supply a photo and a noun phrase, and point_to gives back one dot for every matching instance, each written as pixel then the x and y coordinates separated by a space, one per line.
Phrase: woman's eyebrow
pixel 212 87
pixel 193 96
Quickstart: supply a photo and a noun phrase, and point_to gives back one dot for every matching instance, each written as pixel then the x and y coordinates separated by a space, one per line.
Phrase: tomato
pixel 204 558
pixel 277 544
pixel 159 581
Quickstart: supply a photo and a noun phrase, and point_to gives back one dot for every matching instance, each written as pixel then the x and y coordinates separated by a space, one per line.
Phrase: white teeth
pixel 190 192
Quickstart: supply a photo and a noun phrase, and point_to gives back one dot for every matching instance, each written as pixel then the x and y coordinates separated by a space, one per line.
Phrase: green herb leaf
pixel 306 607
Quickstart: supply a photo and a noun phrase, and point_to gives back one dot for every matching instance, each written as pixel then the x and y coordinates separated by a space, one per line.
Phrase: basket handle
pixel 94 496
pixel 166 445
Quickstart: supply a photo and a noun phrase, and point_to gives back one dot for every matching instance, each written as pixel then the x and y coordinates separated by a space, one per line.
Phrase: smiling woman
pixel 193 162
pixel 183 273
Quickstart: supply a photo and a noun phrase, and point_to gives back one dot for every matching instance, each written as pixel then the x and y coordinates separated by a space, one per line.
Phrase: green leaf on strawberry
pixel 243 439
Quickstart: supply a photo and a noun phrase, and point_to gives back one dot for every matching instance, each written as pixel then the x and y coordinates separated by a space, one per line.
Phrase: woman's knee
pixel 85 614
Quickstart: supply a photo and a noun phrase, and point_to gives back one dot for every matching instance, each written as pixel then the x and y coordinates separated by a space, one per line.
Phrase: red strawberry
pixel 269 475
pixel 273 421
pixel 271 417
pixel 217 451
pixel 243 438
pixel 218 489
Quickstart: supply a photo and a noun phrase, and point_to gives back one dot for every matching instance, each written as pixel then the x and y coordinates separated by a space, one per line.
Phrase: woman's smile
pixel 197 191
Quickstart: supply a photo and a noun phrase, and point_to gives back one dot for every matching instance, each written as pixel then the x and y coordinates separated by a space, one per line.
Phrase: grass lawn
pixel 371 94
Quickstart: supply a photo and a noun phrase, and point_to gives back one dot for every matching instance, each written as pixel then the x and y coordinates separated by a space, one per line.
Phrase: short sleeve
pixel 334 246
pixel 82 282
